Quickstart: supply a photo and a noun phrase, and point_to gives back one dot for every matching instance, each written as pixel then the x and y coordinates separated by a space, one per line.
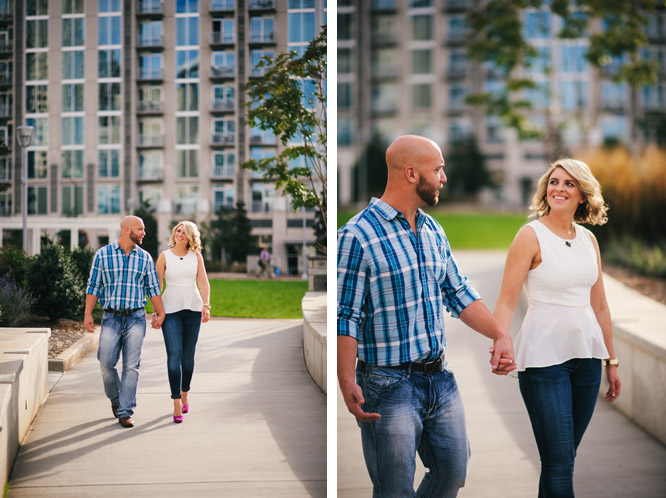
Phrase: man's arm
pixel 158 308
pixel 88 322
pixel 351 391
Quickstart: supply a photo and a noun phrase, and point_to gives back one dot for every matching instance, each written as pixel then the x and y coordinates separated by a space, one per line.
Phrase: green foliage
pixel 496 37
pixel 82 261
pixel 15 303
pixel 465 170
pixel 630 252
pixel 150 242
pixel 15 262
pixel 290 100
pixel 370 169
pixel 320 228
pixel 53 281
pixel 230 231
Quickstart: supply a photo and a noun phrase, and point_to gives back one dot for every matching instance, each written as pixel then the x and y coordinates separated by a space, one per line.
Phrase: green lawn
pixel 256 298
pixel 472 230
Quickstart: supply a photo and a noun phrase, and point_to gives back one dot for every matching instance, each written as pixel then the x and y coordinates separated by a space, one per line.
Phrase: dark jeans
pixel 181 331
pixel 560 401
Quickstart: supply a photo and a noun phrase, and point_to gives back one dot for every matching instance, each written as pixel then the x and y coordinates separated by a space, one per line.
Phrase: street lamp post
pixel 24 137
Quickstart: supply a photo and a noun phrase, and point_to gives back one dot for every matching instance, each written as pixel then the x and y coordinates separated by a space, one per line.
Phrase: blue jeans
pixel 121 334
pixel 420 413
pixel 181 332
pixel 560 401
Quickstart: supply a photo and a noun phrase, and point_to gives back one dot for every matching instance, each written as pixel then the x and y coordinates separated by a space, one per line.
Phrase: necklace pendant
pixel 566 242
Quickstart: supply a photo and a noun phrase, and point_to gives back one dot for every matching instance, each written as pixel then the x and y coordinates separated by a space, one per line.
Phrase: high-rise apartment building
pixel 403 68
pixel 136 101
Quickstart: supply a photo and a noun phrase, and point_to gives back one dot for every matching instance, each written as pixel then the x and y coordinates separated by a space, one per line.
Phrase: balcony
pixel 6 79
pixel 456 37
pixel 257 72
pixel 262 5
pixel 218 39
pixel 151 174
pixel 6 47
pixel 5 111
pixel 219 7
pixel 222 139
pixel 222 106
pixel 384 39
pixel 455 5
pixel 150 74
pixel 6 15
pixel 384 6
pixel 150 107
pixel 456 72
pixel 150 141
pixel 267 38
pixel 150 42
pixel 262 140
pixel 222 172
pixel 222 72
pixel 150 8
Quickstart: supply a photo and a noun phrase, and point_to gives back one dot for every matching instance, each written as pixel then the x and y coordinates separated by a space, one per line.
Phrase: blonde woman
pixel 186 306
pixel 566 334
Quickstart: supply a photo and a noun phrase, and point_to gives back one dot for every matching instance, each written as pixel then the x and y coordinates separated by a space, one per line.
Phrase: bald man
pixel 396 276
pixel 121 276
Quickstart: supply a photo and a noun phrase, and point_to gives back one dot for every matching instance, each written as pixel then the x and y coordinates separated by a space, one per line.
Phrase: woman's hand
pixel 205 314
pixel 614 383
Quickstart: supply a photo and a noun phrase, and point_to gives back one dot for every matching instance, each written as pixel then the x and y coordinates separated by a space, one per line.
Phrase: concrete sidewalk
pixel 257 425
pixel 615 458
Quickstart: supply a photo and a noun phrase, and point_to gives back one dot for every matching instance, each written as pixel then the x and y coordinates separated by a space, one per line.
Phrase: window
pixel 37 33
pixel 302 4
pixel 224 164
pixel 421 98
pixel 223 31
pixel 6 169
pixel 72 7
pixel 150 66
pixel 150 127
pixel 573 59
pixel 187 31
pixel 302 26
pixel 383 62
pixel 654 96
pixel 344 95
pixel 36 8
pixel 37 164
pixel 150 33
pixel 187 129
pixel 109 96
pixel 108 6
pixel 109 63
pixel 257 135
pixel 614 127
pixel 384 97
pixel 72 65
pixel 187 6
pixel 187 96
pixel 224 63
pixel 421 27
pixel 36 98
pixel 541 63
pixel 72 32
pixel 345 131
pixel 72 164
pixel 223 131
pixel 574 95
pixel 36 66
pixel 150 196
pixel 262 29
pixel 187 64
pixel 72 130
pixel 41 126
pixel 72 97
pixel 457 27
pixel 421 61
pixel 613 94
pixel 223 197
pixel 415 4
pixel 72 200
pixel 186 199
pixel 539 96
pixel 109 129
pixel 345 27
pixel 109 163
pixel 255 58
pixel 383 28
pixel 5 204
pixel 457 96
pixel 262 198
pixel 224 97
pixel 109 30
pixel 536 25
pixel 345 64
pixel 187 163
pixel 151 165
pixel 37 197
pixel 108 199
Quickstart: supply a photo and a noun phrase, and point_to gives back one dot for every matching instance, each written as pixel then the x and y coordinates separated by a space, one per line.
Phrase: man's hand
pixel 157 320
pixel 89 324
pixel 353 396
pixel 502 357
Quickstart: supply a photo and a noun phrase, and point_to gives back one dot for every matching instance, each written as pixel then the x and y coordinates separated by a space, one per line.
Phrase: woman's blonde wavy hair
pixel 592 210
pixel 191 232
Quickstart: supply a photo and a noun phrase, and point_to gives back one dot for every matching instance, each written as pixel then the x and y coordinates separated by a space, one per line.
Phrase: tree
pixel 231 231
pixel 465 169
pixel 150 242
pixel 290 100
pixel 496 38
pixel 370 169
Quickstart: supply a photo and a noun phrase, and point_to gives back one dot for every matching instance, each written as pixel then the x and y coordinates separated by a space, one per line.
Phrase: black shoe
pixel 114 409
pixel 126 421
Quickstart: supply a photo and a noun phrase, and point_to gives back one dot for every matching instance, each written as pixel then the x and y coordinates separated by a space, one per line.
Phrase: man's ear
pixel 411 174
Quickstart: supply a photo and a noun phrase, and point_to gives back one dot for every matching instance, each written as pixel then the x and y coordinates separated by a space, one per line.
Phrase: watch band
pixel 612 362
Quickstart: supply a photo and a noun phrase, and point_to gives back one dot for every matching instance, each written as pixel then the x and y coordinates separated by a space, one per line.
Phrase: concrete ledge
pixel 639 337
pixel 23 387
pixel 314 336
pixel 65 360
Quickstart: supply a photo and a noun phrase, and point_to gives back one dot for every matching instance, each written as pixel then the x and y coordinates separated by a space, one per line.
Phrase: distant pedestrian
pixel 121 276
pixel 566 332
pixel 265 262
pixel 186 306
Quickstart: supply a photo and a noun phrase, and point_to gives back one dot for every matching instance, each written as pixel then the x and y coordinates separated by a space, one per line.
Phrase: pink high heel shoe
pixel 177 419
pixel 186 408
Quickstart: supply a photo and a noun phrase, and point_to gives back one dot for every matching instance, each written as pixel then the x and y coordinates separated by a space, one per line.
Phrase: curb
pixel 70 356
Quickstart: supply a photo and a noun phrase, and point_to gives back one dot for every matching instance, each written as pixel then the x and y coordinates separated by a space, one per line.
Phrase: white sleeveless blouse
pixel 560 324
pixel 181 291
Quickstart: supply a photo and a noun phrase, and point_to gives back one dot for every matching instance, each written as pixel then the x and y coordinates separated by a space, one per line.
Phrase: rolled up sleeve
pixel 152 283
pixel 95 278
pixel 457 290
pixel 352 271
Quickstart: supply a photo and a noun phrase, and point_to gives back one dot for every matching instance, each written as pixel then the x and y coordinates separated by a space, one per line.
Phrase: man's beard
pixel 428 194
pixel 135 238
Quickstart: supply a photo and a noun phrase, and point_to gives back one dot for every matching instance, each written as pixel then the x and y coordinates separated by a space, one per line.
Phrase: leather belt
pixel 127 312
pixel 426 367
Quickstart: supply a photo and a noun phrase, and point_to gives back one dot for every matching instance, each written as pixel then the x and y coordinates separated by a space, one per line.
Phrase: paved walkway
pixel 615 459
pixel 257 425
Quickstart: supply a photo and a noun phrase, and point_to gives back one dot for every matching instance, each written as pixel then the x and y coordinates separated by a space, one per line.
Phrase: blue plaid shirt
pixel 120 281
pixel 393 285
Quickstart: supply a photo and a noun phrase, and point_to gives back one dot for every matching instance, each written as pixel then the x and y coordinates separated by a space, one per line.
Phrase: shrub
pixel 82 259
pixel 15 303
pixel 53 281
pixel 15 262
pixel 631 253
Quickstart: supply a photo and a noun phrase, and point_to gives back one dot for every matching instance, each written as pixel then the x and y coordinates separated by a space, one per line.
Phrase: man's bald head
pixel 409 150
pixel 130 221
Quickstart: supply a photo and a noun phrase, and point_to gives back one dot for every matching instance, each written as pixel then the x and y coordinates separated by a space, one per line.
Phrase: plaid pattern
pixel 392 285
pixel 120 281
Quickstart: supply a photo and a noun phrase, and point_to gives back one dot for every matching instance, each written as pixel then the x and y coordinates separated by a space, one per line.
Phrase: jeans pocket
pixel 382 379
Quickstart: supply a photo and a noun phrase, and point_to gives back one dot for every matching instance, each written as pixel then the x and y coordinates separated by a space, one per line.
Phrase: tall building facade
pixel 142 101
pixel 403 68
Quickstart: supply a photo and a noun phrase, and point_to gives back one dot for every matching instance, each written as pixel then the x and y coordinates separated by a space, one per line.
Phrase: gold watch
pixel 612 362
